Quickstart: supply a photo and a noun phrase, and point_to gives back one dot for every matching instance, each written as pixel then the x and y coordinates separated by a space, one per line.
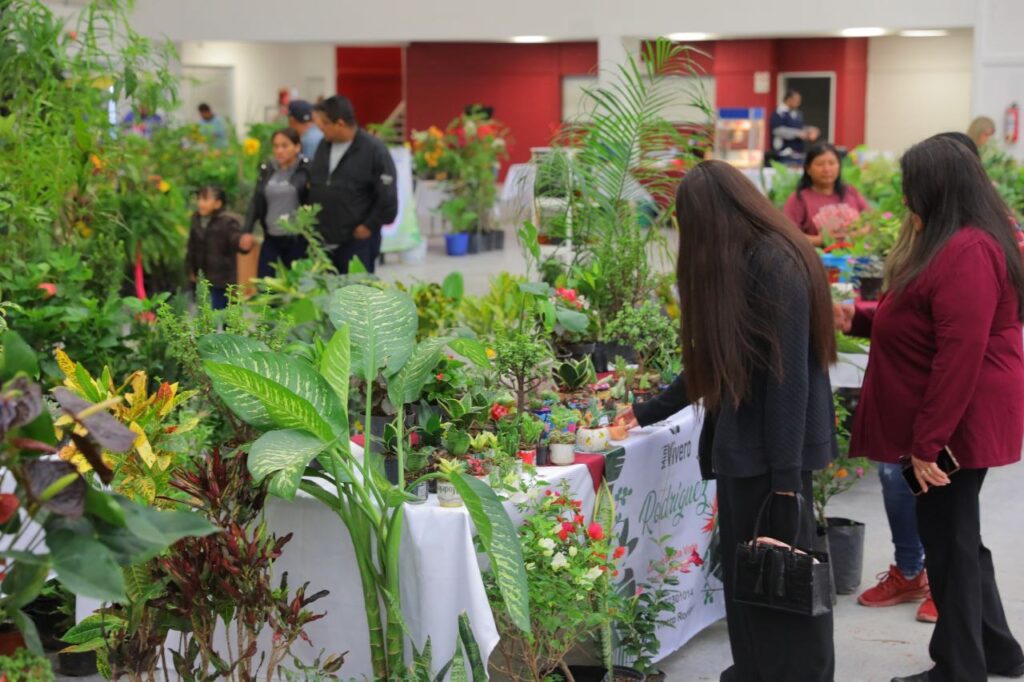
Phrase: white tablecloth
pixel 440 574
pixel 848 371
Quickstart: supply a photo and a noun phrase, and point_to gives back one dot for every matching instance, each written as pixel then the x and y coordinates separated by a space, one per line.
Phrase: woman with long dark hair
pixel 822 201
pixel 757 337
pixel 945 384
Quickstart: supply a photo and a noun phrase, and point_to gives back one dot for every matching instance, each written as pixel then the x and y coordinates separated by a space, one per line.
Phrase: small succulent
pixel 575 375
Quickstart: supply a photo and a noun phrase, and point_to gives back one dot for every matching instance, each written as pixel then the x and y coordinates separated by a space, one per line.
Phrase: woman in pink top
pixel 821 198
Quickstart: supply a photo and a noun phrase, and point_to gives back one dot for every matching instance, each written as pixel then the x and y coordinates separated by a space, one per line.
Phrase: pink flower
pixel 49 288
pixel 695 558
pixel 595 531
pixel 887 215
pixel 639 590
pixel 567 295
pixel 860 472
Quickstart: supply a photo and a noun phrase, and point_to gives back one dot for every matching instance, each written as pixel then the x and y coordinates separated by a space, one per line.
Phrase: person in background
pixel 300 119
pixel 981 131
pixel 214 240
pixel 757 337
pixel 946 374
pixel 353 179
pixel 282 187
pixel 821 199
pixel 788 132
pixel 142 121
pixel 213 126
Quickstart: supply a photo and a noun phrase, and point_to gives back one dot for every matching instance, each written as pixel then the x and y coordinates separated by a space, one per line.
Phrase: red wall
pixel 522 82
pixel 735 61
pixel 372 78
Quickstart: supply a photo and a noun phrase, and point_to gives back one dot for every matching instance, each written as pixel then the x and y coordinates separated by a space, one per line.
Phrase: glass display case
pixel 739 136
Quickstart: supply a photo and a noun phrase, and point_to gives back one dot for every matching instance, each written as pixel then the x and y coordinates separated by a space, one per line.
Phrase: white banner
pixel 658 491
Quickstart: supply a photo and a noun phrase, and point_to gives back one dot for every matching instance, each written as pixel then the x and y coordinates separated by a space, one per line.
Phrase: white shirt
pixel 338 150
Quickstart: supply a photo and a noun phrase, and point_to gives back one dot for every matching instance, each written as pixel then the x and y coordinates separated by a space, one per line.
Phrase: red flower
pixel 577 504
pixel 579 519
pixel 618 553
pixel 595 531
pixel 695 558
pixel 49 288
pixel 547 493
pixel 568 527
pixel 615 573
pixel 8 505
pixel 498 411
pixel 563 534
pixel 440 376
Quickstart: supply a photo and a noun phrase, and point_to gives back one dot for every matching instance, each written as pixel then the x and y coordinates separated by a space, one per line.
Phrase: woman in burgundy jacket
pixel 946 371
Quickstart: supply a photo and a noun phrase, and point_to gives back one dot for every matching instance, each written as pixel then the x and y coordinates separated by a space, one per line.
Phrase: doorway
pixel 214 85
pixel 818 91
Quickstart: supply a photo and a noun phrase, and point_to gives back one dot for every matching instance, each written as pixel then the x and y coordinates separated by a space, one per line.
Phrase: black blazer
pixel 362 190
pixel 257 212
pixel 212 251
pixel 784 427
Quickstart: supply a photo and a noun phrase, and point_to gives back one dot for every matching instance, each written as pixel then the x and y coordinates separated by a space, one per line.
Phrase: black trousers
pixel 972 638
pixel 770 646
pixel 363 249
pixel 284 248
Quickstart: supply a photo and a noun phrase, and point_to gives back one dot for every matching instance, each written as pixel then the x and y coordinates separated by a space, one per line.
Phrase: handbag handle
pixel 766 506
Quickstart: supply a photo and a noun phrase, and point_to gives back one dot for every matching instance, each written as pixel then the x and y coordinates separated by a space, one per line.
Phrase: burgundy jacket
pixel 947 362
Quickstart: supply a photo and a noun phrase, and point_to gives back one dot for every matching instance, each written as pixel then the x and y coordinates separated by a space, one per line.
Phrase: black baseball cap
pixel 300 110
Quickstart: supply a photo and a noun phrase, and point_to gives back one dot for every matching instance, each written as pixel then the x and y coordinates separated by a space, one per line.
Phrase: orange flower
pixel 842 473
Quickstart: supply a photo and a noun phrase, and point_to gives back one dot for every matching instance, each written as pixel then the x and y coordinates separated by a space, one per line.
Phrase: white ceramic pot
pixel 561 454
pixel 447 495
pixel 420 491
pixel 592 440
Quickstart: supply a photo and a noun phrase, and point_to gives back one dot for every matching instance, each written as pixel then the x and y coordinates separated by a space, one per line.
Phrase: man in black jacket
pixel 353 180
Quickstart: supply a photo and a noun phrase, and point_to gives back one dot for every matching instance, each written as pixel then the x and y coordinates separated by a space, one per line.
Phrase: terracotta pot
pixel 10 639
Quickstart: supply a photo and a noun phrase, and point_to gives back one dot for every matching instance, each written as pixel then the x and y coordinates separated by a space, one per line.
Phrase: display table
pixel 656 484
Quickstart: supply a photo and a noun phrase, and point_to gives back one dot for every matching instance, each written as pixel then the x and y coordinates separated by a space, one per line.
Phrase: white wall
pixel 999 64
pixel 359 22
pixel 260 69
pixel 917 87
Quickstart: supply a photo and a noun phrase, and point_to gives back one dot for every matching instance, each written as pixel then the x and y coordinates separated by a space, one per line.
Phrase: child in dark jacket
pixel 213 241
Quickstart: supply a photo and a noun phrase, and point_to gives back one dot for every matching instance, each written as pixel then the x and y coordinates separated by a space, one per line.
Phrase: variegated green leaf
pixel 472 350
pixel 227 346
pixel 283 455
pixel 336 363
pixel 501 542
pixel 472 648
pixel 382 324
pixel 407 384
pixel 269 390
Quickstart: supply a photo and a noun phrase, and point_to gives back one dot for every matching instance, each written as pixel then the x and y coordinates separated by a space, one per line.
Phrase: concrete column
pixel 998 74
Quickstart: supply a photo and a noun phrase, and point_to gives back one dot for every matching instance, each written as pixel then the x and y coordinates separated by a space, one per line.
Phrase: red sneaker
pixel 928 613
pixel 893 588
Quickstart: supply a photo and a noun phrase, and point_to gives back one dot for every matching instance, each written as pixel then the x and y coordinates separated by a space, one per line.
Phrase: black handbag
pixel 782 578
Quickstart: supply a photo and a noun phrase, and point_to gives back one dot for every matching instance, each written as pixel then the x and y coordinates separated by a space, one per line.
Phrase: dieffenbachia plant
pixel 302 409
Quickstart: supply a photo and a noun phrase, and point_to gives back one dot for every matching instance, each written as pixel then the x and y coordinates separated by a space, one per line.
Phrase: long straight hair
pixel 946 186
pixel 730 325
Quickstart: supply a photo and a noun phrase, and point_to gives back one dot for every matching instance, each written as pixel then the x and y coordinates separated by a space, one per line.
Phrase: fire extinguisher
pixel 1011 124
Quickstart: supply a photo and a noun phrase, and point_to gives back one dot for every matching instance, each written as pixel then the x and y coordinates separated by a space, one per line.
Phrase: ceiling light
pixel 530 39
pixel 924 33
pixel 688 37
pixel 863 32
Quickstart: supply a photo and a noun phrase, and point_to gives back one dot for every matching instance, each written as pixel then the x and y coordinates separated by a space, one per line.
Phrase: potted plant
pixel 647 331
pixel 561 448
pixel 530 432
pixel 570 564
pixel 573 377
pixel 521 363
pixel 845 536
pixel 461 220
pixel 447 493
pixel 869 272
pixel 593 438
pixel 25 666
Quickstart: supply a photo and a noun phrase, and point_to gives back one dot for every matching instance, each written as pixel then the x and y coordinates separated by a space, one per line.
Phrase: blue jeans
pixel 901 508
pixel 218 298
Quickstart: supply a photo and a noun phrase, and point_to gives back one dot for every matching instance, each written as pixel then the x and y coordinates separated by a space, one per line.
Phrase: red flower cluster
pixel 569 296
pixel 595 531
pixel 498 411
pixel 8 506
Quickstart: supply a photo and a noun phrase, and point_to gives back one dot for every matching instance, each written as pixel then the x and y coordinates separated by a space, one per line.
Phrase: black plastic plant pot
pixel 475 243
pixel 598 673
pixel 499 240
pixel 846 545
pixel 578 351
pixel 821 545
pixel 870 288
pixel 48 621
pixel 391 469
pixel 77 665
pixel 542 456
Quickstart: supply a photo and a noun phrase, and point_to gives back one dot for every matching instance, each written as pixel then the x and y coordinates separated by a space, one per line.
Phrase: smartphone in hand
pixel 946 461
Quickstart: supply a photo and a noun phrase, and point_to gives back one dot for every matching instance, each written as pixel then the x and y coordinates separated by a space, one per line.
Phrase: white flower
pixel 559 562
pixel 573 551
pixel 548 545
pixel 593 574
pixel 499 143
pixel 470 128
